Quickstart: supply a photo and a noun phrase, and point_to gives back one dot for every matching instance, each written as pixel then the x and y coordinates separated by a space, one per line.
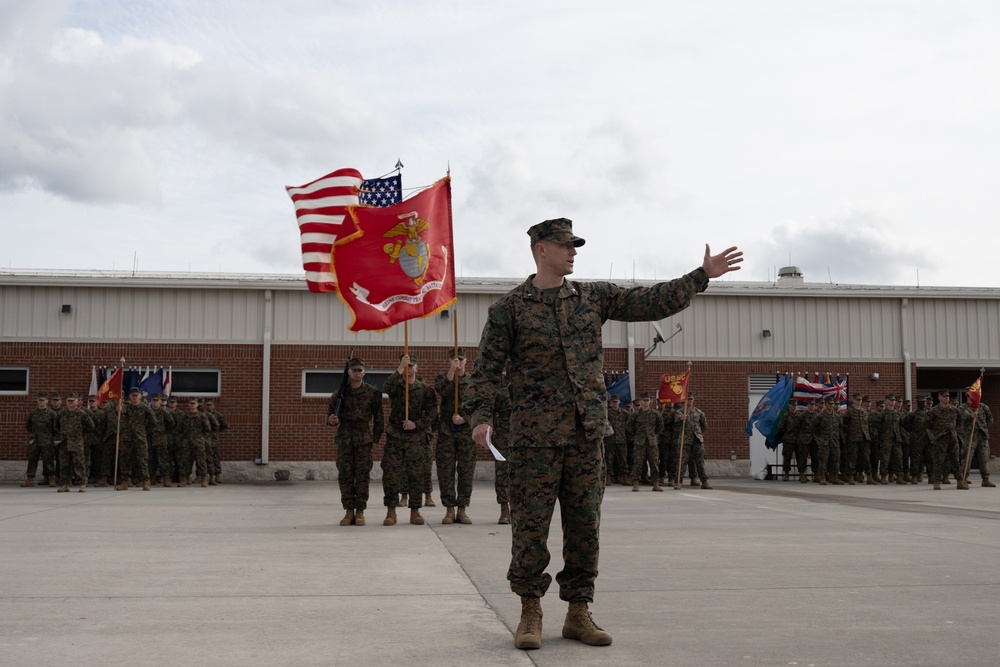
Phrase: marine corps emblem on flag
pixel 673 388
pixel 411 251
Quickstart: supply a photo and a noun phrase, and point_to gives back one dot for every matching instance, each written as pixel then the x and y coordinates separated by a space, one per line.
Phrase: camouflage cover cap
pixel 354 362
pixel 92 397
pixel 42 395
pixel 71 396
pixel 413 359
pixel 461 353
pixel 559 230
pixel 135 391
pixel 55 396
pixel 615 398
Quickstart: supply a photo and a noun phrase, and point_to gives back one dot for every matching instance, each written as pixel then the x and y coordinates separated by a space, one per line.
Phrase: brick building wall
pixel 298 431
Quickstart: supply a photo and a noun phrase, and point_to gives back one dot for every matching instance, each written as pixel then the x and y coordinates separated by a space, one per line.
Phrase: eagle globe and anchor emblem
pixel 411 251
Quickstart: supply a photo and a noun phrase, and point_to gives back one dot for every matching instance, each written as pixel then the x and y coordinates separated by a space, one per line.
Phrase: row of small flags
pixel 111 382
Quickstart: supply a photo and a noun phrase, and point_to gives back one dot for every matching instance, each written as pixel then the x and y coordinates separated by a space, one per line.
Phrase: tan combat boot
pixel 529 631
pixel 962 485
pixel 390 517
pixel 404 500
pixel 635 485
pixel 706 485
pixel 28 483
pixel 166 482
pixel 871 480
pixel 988 484
pixel 784 478
pixel 656 486
pixel 218 478
pixel 145 485
pixel 694 482
pixel 821 478
pixel 505 512
pixel 415 517
pixel 462 517
pixel 802 477
pixel 122 485
pixel 203 480
pixel 348 519
pixel 183 481
pixel 835 479
pixel 937 485
pixel 51 480
pixel 850 480
pixel 359 517
pixel 211 480
pixel 63 489
pixel 900 479
pixel 83 488
pixel 449 515
pixel 580 625
pixel 429 500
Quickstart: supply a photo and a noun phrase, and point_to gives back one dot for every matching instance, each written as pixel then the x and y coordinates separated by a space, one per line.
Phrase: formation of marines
pixel 645 446
pixel 425 425
pixel 157 442
pixel 892 442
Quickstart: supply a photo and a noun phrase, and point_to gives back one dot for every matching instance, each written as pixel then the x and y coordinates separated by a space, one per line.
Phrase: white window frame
pixel 180 392
pixel 27 381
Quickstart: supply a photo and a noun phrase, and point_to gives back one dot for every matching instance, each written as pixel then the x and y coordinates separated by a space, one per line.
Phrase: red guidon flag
pixel 975 393
pixel 112 387
pixel 401 264
pixel 673 388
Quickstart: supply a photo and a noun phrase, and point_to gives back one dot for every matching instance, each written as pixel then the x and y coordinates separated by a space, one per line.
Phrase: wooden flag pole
pixel 406 371
pixel 972 433
pixel 454 319
pixel 680 450
pixel 118 430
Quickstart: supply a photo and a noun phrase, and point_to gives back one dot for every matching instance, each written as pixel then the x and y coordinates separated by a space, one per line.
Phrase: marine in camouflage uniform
pixel 646 424
pixel 173 445
pixel 41 426
pixel 74 425
pixel 193 429
pixel 980 436
pixel 917 423
pixel 133 455
pixel 550 330
pixel 212 462
pixel 890 443
pixel 807 440
pixel 456 452
pixel 943 433
pixel 160 444
pixel 56 403
pixel 858 439
pixel 827 430
pixel 664 438
pixel 502 409
pixel 616 444
pixel 874 424
pixel 788 427
pixel 695 425
pixel 106 424
pixel 359 423
pixel 674 443
pixel 406 440
pixel 91 438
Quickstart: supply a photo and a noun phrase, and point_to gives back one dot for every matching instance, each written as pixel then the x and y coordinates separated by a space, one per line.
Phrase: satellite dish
pixel 658 338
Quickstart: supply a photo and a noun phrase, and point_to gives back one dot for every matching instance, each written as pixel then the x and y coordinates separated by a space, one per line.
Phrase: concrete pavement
pixel 751 573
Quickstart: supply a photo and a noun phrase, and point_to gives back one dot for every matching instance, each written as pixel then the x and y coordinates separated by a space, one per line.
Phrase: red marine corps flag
pixel 401 264
pixel 673 388
pixel 112 387
pixel 975 393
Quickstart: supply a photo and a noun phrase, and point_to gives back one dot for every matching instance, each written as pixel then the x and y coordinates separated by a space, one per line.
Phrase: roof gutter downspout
pixel 265 394
pixel 905 329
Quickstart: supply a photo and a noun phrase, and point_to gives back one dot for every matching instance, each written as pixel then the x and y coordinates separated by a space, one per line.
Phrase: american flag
pixel 321 209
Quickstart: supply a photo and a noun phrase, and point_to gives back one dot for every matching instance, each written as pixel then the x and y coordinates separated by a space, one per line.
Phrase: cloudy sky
pixel 857 139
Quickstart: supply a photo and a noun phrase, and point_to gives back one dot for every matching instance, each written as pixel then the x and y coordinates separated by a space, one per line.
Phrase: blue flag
pixel 153 384
pixel 770 409
pixel 621 389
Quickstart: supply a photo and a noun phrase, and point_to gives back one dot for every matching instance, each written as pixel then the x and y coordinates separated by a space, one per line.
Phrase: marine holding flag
pixel 549 328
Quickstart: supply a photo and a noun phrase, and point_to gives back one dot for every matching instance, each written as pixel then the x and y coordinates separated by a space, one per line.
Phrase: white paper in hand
pixel 489 443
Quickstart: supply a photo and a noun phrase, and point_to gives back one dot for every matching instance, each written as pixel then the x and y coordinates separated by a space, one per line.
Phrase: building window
pixel 195 382
pixel 318 383
pixel 13 381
